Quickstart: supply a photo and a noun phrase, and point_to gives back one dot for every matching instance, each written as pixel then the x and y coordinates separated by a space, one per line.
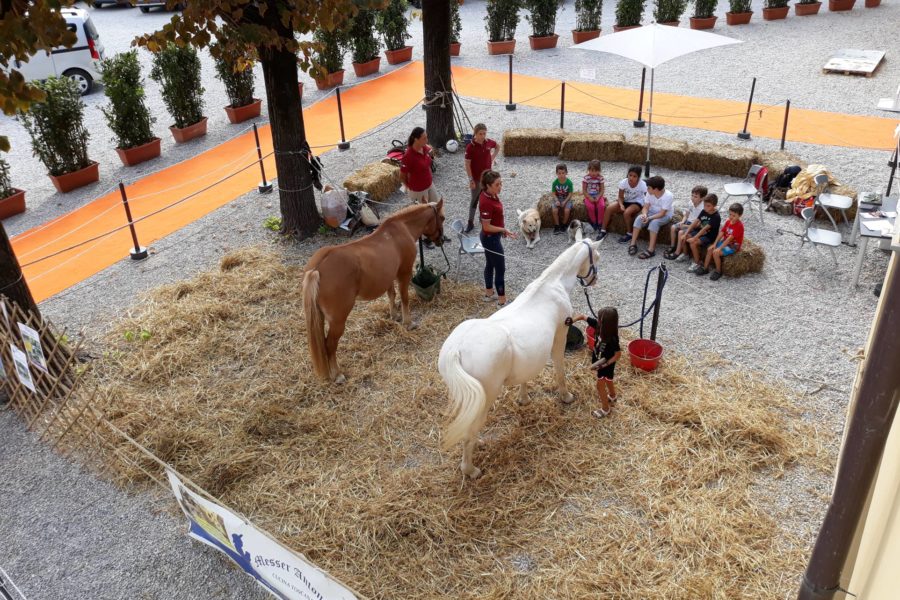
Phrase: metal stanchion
pixel 562 107
pixel 659 287
pixel 138 252
pixel 639 122
pixel 787 111
pixel 264 187
pixel 344 145
pixel 511 105
pixel 745 135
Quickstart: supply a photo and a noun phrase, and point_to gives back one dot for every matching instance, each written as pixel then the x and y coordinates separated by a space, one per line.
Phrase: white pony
pixel 511 347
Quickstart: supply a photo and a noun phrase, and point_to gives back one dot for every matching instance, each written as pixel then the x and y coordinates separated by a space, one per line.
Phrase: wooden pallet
pixel 854 62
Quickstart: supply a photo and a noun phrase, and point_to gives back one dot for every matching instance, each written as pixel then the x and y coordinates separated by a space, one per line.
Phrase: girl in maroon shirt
pixel 492 231
pixel 415 168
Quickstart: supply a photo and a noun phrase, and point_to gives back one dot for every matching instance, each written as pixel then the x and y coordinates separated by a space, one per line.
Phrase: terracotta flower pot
pixel 242 113
pixel 804 10
pixel 873 3
pixel 583 36
pixel 544 42
pixel 738 18
pixel 138 154
pixel 12 205
pixel 671 23
pixel 76 179
pixel 840 5
pixel 504 47
pixel 618 28
pixel 368 67
pixel 454 48
pixel 330 80
pixel 186 134
pixel 703 22
pixel 395 57
pixel 774 14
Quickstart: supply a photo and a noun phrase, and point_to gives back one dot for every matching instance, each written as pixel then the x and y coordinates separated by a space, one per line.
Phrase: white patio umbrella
pixel 653 45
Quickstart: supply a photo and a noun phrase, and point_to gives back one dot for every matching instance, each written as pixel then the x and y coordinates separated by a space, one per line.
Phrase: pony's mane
pixel 555 267
pixel 405 210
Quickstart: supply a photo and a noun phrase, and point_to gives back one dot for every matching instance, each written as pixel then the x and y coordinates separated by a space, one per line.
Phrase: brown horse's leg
pixel 392 298
pixel 403 284
pixel 335 331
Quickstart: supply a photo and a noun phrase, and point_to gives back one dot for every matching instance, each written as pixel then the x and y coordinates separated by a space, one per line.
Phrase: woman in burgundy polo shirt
pixel 415 168
pixel 480 155
pixel 492 231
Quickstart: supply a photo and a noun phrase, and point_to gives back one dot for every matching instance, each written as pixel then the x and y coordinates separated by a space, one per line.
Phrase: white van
pixel 81 62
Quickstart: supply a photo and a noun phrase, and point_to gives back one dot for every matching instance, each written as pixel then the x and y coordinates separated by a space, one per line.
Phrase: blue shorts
pixel 567 204
pixel 727 250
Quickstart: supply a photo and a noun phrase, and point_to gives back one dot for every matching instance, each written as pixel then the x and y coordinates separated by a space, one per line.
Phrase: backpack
pixel 787 177
pixel 395 155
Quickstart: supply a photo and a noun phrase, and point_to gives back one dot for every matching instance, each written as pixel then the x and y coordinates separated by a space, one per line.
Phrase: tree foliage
pixel 56 126
pixel 542 16
pixel 364 45
pixel 235 68
pixel 127 114
pixel 6 189
pixel 177 69
pixel 502 19
pixel 393 24
pixel 587 14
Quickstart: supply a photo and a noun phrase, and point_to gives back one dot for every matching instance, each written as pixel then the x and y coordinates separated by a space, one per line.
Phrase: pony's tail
pixel 315 323
pixel 467 402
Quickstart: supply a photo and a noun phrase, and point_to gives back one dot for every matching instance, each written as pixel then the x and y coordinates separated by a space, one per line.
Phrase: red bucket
pixel 645 354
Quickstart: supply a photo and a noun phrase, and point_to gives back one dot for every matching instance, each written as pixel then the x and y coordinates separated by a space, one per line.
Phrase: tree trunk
pixel 436 33
pixel 12 282
pixel 295 188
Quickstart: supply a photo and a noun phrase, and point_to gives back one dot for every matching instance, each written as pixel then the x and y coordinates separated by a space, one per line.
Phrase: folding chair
pixel 468 244
pixel 826 201
pixel 753 187
pixel 818 237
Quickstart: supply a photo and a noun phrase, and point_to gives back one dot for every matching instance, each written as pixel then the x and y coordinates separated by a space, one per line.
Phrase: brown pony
pixel 365 268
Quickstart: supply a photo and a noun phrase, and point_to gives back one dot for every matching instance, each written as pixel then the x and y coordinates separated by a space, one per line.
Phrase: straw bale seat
pixel 663 152
pixel 588 146
pixel 749 259
pixel 719 159
pixel 379 180
pixel 532 142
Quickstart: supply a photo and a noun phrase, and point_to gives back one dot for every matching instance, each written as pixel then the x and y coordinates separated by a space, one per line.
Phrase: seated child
pixel 562 189
pixel 594 187
pixel 704 230
pixel 632 190
pixel 604 356
pixel 656 213
pixel 728 241
pixel 679 230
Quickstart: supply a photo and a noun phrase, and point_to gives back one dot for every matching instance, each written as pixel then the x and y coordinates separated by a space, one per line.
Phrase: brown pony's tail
pixel 315 323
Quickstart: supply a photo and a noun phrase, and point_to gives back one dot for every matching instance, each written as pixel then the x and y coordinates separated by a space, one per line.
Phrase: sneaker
pixel 701 271
pixel 601 235
pixel 469 227
pixel 716 275
pixel 625 238
pixel 683 257
pixel 693 268
pixel 490 298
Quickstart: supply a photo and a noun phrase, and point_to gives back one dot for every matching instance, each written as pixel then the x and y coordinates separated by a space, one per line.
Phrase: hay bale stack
pixel 719 159
pixel 750 259
pixel 588 146
pixel 379 180
pixel 663 152
pixel 776 161
pixel 533 142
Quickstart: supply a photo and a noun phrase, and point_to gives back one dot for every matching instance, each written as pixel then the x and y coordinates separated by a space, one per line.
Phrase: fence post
pixel 659 287
pixel 265 187
pixel 639 122
pixel 511 105
pixel 787 111
pixel 893 164
pixel 744 134
pixel 562 107
pixel 344 143
pixel 137 253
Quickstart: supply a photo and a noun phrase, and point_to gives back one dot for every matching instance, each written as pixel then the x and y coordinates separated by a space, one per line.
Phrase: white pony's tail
pixel 467 403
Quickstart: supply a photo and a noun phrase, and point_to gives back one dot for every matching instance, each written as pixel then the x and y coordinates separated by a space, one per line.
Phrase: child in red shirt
pixel 729 241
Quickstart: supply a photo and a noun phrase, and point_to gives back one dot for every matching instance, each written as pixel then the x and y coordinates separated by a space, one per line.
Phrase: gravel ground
pixel 798 322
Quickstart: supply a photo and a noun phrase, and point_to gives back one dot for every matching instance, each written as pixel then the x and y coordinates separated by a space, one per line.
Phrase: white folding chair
pixel 826 201
pixel 818 237
pixel 751 188
pixel 468 244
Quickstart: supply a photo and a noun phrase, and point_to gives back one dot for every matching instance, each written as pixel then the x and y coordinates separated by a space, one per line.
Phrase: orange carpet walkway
pixel 366 106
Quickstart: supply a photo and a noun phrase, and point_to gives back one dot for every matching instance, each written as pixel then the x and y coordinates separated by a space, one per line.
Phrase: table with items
pixel 876 218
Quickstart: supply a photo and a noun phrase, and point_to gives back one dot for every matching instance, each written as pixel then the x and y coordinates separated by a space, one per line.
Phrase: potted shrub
pixel 775 10
pixel 502 19
pixel 455 28
pixel 668 12
pixel 704 16
pixel 542 16
pixel 127 114
pixel 628 14
pixel 12 200
pixel 394 28
pixel 805 8
pixel 58 136
pixel 587 20
pixel 329 60
pixel 740 12
pixel 364 45
pixel 177 70
pixel 234 65
pixel 840 5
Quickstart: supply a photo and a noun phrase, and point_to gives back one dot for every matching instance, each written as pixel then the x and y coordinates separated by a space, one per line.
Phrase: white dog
pixel 575 231
pixel 530 225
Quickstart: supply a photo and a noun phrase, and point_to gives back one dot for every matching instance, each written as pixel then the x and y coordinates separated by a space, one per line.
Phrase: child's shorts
pixel 705 240
pixel 727 250
pixel 563 204
pixel 653 225
pixel 683 226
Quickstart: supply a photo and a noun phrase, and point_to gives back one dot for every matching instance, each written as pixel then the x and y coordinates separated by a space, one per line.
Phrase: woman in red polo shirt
pixel 492 231
pixel 415 168
pixel 480 155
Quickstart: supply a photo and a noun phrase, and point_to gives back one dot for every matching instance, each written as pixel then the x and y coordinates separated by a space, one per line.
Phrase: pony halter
pixel 591 276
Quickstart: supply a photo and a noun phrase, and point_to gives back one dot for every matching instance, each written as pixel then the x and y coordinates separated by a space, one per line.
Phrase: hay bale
pixel 379 180
pixel 588 146
pixel 776 161
pixel 842 190
pixel 750 259
pixel 663 152
pixel 720 159
pixel 532 142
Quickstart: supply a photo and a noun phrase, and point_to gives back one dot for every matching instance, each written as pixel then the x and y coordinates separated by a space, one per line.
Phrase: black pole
pixel 265 187
pixel 893 169
pixel 344 143
pixel 659 288
pixel 510 106
pixel 745 135
pixel 787 111
pixel 640 122
pixel 137 253
pixel 562 107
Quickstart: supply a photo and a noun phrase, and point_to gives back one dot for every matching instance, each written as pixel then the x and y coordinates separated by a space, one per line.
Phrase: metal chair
pixel 818 237
pixel 826 201
pixel 751 188
pixel 468 244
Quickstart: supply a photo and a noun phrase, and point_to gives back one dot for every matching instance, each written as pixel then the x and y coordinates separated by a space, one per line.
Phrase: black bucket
pixel 574 339
pixel 427 284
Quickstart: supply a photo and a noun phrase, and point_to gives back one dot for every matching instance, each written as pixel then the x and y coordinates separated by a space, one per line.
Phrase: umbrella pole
pixel 649 126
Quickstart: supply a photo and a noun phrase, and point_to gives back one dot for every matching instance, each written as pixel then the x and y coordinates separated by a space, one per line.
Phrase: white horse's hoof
pixel 524 402
pixel 412 325
pixel 472 473
pixel 340 378
pixel 568 399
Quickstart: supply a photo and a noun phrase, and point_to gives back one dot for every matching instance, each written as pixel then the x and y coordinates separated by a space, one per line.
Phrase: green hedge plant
pixel 776 3
pixel 669 11
pixel 56 127
pixel 502 19
pixel 330 54
pixel 126 114
pixel 587 14
pixel 542 16
pixel 235 69
pixel 629 12
pixel 739 6
pixel 361 38
pixel 177 70
pixel 705 9
pixel 6 188
pixel 393 24
pixel 455 23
